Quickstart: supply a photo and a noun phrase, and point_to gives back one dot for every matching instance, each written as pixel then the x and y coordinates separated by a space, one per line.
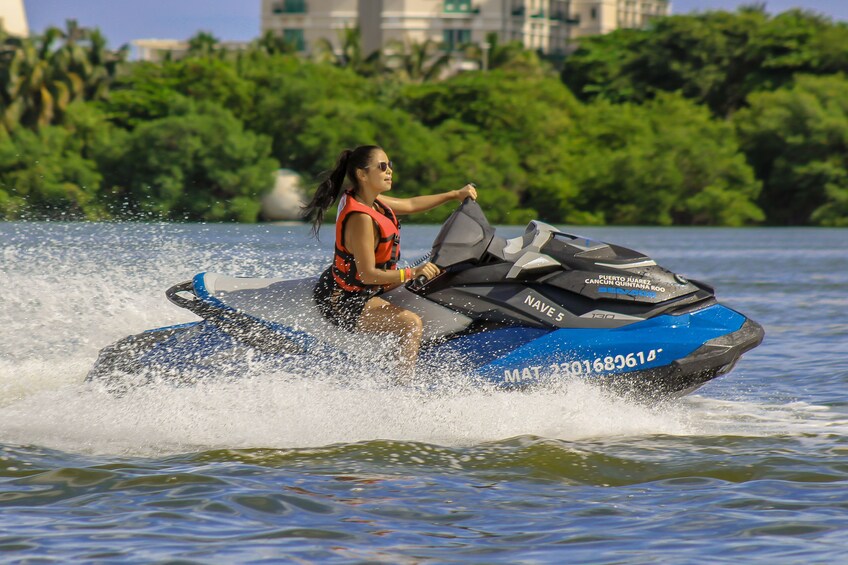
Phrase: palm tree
pixel 32 94
pixel 418 62
pixel 39 80
pixel 501 55
pixel 71 60
pixel 350 55
pixel 103 65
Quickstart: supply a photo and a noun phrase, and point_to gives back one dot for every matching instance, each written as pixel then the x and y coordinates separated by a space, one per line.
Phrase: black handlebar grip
pixel 418 283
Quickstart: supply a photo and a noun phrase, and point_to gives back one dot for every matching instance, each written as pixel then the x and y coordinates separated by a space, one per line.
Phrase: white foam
pixel 73 289
pixel 284 410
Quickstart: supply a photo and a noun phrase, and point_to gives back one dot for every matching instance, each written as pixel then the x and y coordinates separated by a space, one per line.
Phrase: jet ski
pixel 547 306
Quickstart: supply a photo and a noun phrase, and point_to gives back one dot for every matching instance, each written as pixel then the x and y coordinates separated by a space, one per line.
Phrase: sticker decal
pixel 543 307
pixel 626 291
pixel 621 282
pixel 582 367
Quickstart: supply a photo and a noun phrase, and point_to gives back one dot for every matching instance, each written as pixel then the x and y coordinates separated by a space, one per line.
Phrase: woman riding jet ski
pixel 368 248
pixel 545 306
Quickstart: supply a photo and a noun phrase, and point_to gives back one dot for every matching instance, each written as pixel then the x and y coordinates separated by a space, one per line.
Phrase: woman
pixel 368 247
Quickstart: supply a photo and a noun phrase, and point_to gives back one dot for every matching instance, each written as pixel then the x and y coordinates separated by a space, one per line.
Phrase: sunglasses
pixel 383 166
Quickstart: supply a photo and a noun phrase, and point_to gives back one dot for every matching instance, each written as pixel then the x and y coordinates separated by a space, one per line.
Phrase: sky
pixel 121 21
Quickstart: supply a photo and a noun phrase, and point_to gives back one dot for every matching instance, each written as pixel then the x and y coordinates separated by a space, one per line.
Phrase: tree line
pixel 718 118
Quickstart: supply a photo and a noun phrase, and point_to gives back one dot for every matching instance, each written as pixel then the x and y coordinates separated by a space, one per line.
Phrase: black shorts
pixel 341 307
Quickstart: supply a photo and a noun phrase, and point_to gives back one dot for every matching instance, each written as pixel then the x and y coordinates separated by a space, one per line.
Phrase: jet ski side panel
pixel 471 351
pixel 656 346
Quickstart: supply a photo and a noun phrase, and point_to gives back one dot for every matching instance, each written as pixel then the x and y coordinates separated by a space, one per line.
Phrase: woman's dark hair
pixel 331 187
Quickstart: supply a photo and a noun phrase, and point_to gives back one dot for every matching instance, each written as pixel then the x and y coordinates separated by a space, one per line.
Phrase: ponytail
pixel 330 188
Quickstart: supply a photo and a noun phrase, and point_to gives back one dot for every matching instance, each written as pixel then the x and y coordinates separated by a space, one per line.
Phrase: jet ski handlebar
pixel 464 236
pixel 457 233
pixel 418 283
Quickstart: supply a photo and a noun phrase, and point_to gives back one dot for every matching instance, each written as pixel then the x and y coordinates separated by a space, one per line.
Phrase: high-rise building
pixel 13 18
pixel 603 16
pixel 550 26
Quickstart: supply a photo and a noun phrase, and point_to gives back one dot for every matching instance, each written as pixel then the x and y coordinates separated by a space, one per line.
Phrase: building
pixel 550 26
pixel 157 50
pixel 13 18
pixel 603 16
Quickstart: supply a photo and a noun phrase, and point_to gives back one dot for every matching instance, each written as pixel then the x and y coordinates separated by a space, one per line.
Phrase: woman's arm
pixel 359 238
pixel 429 201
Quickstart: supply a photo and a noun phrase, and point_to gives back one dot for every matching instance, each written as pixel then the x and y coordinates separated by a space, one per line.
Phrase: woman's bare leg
pixel 379 316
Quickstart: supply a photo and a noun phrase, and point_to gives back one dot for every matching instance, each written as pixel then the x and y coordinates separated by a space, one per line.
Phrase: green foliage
pixel 427 161
pixel 418 62
pixel 339 124
pixel 682 123
pixel 136 101
pixel 509 56
pixel 469 157
pixel 501 102
pixel 203 44
pixel 796 139
pixel 665 162
pixel 288 94
pixel 527 117
pixel 200 165
pixel 44 175
pixel 149 91
pixel 350 54
pixel 716 58
pixel 43 75
pixel 271 44
pixel 213 80
pixel 596 69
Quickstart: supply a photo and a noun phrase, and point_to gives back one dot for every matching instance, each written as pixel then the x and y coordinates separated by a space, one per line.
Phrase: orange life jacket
pixel 386 254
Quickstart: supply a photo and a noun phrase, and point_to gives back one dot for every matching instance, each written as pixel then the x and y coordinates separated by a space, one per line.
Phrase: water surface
pixel 306 467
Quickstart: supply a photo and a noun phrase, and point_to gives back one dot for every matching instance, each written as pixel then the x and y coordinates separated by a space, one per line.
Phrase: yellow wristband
pixel 402 275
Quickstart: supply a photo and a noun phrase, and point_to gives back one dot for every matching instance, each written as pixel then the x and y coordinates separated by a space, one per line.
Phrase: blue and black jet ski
pixel 541 307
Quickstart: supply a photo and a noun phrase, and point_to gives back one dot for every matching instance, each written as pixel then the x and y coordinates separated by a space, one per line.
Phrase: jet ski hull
pixel 667 356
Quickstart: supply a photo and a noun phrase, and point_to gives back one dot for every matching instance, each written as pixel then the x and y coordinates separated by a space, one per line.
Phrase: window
pixel 454 38
pixel 295 37
pixel 594 13
pixel 289 7
pixel 458 6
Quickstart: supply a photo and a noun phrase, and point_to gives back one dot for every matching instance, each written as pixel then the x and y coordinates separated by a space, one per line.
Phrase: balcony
pixel 460 7
pixel 289 7
pixel 561 16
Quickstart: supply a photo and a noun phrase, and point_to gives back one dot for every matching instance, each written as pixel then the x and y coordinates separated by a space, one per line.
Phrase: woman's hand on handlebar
pixel 427 270
pixel 467 191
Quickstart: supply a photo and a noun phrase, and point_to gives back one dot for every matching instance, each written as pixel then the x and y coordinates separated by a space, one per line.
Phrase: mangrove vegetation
pixel 718 118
